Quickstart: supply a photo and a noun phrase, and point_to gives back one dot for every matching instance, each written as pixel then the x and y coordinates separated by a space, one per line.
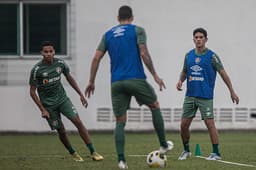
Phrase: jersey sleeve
pixel 102 44
pixel 141 35
pixel 216 62
pixel 65 69
pixel 33 78
pixel 184 68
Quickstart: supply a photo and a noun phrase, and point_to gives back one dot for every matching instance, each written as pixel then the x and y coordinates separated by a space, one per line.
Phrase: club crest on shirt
pixel 197 60
pixel 58 70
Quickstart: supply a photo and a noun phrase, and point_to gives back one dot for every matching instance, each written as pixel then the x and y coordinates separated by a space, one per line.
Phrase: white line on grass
pixel 227 162
pixel 63 156
pixel 137 155
pixel 31 156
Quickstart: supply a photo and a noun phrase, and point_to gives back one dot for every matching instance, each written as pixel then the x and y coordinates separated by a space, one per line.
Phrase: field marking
pixel 137 155
pixel 31 156
pixel 65 156
pixel 228 162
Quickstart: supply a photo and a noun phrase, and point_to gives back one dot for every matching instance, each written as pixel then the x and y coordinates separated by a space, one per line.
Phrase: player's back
pixel 121 44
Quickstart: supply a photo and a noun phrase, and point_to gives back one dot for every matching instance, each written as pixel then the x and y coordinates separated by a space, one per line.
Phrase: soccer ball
pixel 155 160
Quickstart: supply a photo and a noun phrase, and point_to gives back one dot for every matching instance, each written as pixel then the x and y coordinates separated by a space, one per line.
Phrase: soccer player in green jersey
pixel 52 100
pixel 199 69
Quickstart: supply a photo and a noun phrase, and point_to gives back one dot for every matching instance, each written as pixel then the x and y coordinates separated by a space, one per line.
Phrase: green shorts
pixel 122 91
pixel 191 104
pixel 66 108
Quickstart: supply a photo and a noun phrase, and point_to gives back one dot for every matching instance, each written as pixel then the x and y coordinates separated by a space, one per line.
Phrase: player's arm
pixel 89 90
pixel 45 113
pixel 75 86
pixel 219 67
pixel 183 75
pixel 146 58
pixel 227 81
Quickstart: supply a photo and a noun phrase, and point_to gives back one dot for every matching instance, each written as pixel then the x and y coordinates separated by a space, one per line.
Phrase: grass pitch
pixel 45 152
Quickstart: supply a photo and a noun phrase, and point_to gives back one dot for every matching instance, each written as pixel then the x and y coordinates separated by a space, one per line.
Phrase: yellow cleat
pixel 96 157
pixel 77 157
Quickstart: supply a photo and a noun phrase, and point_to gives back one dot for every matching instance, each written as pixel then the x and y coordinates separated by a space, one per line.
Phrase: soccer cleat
pixel 77 157
pixel 184 155
pixel 169 147
pixel 213 157
pixel 122 165
pixel 96 157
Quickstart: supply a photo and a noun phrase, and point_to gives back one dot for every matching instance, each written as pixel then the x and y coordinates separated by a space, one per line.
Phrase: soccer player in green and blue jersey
pixel 199 69
pixel 52 100
pixel 126 45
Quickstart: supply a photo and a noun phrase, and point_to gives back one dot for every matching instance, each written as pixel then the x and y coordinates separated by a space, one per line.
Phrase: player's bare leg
pixel 83 132
pixel 185 136
pixel 212 131
pixel 64 139
pixel 214 139
pixel 184 126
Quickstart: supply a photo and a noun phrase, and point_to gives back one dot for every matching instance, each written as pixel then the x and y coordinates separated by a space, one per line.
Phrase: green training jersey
pixel 47 79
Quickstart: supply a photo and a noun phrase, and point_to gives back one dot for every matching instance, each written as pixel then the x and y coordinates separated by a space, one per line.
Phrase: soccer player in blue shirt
pixel 126 45
pixel 199 69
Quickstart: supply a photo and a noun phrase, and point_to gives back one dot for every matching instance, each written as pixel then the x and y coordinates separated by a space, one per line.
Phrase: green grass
pixel 45 152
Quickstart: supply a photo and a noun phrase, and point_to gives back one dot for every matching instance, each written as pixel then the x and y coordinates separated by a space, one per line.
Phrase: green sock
pixel 121 157
pixel 120 140
pixel 90 147
pixel 186 146
pixel 71 150
pixel 159 126
pixel 215 149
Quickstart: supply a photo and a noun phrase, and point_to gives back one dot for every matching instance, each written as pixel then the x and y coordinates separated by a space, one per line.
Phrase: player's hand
pixel 89 90
pixel 45 114
pixel 160 82
pixel 234 98
pixel 179 85
pixel 84 101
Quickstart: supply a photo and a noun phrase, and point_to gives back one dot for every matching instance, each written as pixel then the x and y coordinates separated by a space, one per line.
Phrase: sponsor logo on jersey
pixel 47 81
pixel 194 78
pixel 119 31
pixel 196 68
pixel 61 61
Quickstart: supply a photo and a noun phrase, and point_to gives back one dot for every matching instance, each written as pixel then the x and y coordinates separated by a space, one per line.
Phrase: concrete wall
pixel 169 25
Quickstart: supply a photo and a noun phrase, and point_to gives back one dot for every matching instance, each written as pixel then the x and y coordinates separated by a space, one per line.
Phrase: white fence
pixel 141 119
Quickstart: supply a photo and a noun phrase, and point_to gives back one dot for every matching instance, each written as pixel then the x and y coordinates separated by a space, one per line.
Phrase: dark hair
pixel 46 43
pixel 125 12
pixel 201 30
